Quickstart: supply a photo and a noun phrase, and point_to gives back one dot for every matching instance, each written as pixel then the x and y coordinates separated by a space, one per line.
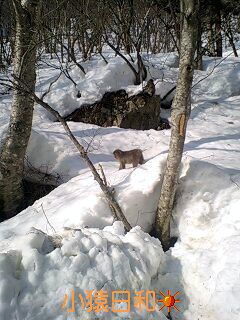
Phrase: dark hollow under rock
pixel 141 111
pixel 163 124
pixel 166 104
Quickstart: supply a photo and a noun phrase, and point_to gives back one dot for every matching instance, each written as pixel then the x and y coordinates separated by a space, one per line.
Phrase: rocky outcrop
pixel 140 111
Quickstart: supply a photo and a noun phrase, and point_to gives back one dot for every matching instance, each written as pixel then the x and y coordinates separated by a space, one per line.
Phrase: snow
pixel 208 225
pixel 223 75
pixel 67 240
pixel 89 259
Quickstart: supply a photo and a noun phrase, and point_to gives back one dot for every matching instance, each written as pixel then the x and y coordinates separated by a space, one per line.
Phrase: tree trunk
pixel 198 60
pixel 229 35
pixel 210 36
pixel 19 130
pixel 231 41
pixel 179 117
pixel 218 32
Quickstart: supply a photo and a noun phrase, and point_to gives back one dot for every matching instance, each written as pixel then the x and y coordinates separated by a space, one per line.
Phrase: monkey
pixel 133 157
pixel 149 89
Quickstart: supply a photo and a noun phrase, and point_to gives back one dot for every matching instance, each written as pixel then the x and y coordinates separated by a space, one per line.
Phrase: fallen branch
pixel 103 174
pixel 168 93
pixel 113 204
pixel 105 182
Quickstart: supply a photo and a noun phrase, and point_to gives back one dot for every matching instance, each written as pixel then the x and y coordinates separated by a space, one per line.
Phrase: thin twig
pixel 216 65
pixel 47 219
pixel 50 86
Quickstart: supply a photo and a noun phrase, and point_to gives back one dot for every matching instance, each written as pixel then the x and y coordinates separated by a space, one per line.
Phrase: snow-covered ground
pixel 95 254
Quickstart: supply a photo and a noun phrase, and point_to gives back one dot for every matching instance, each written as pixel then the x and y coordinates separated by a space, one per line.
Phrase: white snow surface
pixel 95 253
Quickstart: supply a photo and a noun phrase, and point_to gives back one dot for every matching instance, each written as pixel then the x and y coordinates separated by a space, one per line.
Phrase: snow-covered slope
pixel 208 223
pixel 205 262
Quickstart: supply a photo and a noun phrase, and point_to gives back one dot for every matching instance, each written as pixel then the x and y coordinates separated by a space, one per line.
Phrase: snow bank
pixel 33 284
pixel 162 60
pixel 81 203
pixel 221 78
pixel 203 265
pixel 101 78
pixel 208 226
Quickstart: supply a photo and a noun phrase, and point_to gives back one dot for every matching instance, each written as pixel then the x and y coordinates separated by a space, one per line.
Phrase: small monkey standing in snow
pixel 133 157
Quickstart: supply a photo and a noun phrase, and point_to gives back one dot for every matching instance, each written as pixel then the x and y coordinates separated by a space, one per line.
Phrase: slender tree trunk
pixel 210 36
pixel 179 118
pixel 230 37
pixel 198 60
pixel 19 130
pixel 231 41
pixel 218 32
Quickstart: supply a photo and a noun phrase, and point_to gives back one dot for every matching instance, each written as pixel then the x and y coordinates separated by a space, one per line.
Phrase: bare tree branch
pixel 66 48
pixel 113 204
pixel 50 86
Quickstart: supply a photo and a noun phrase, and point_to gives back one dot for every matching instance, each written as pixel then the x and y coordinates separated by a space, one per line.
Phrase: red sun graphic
pixel 169 300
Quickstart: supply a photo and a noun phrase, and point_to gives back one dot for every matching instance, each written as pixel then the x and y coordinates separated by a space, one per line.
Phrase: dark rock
pixel 140 112
pixel 149 89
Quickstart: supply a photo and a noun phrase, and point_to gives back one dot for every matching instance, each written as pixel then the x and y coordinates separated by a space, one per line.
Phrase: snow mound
pixel 220 78
pixel 81 203
pixel 207 215
pixel 104 77
pixel 163 60
pixel 33 284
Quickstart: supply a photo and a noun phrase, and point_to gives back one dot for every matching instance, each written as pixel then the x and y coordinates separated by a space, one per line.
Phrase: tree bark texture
pixel 179 117
pixel 218 32
pixel 198 59
pixel 210 36
pixel 14 147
